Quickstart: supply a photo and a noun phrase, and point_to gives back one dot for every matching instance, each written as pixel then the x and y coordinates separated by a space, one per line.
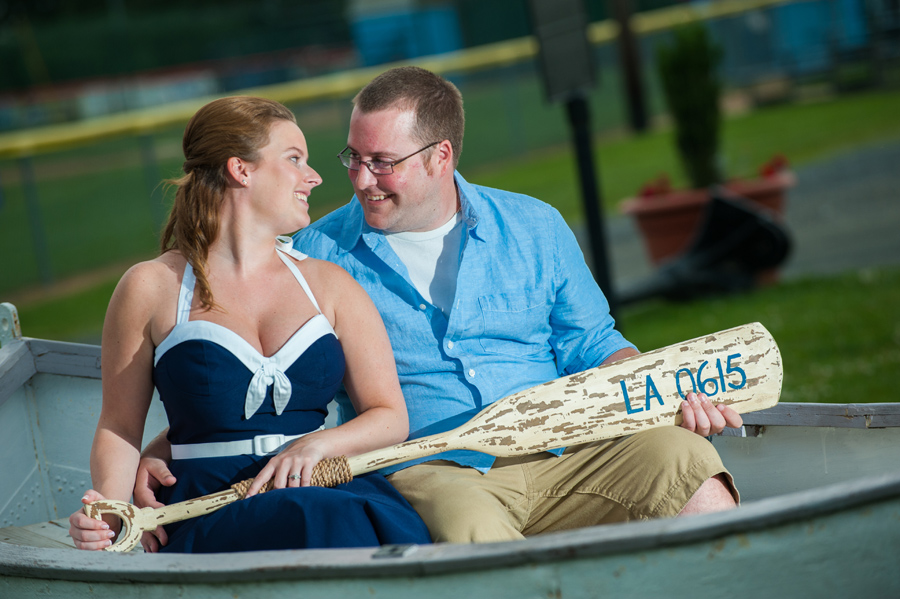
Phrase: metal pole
pixel 579 118
pixel 35 221
pixel 630 61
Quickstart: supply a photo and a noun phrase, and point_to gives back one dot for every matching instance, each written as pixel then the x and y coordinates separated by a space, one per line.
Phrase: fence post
pixel 151 175
pixel 512 99
pixel 35 221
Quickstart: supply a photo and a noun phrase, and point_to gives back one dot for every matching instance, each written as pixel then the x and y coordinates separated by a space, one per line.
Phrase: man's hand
pixel 152 473
pixel 704 418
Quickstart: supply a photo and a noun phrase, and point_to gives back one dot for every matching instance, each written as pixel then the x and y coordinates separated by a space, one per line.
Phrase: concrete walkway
pixel 843 214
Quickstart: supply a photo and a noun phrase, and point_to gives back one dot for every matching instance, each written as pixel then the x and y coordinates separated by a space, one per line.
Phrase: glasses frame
pixel 345 160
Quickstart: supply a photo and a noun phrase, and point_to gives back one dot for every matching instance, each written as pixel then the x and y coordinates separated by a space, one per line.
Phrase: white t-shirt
pixel 432 259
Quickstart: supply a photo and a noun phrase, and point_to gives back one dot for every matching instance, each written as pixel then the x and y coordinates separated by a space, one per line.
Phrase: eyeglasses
pixel 377 167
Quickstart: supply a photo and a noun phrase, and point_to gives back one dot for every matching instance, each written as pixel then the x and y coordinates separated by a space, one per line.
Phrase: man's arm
pixel 625 352
pixel 153 472
pixel 580 315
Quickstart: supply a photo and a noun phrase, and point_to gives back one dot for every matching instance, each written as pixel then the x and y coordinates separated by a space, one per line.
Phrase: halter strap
pixel 185 295
pixel 285 247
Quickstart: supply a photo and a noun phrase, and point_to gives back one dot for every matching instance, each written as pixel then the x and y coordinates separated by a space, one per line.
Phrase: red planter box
pixel 669 221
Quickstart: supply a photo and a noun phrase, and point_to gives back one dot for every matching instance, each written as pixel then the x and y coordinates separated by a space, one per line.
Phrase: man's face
pixel 409 199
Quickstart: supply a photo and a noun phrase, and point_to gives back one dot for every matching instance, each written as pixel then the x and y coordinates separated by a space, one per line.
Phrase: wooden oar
pixel 740 367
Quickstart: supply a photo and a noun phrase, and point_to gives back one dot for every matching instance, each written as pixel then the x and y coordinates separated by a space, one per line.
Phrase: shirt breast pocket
pixel 514 324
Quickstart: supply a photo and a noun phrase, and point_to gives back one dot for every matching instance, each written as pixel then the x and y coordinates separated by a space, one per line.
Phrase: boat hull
pixel 832 542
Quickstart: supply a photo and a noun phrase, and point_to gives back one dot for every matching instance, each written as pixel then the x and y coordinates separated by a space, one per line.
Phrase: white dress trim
pixel 266 370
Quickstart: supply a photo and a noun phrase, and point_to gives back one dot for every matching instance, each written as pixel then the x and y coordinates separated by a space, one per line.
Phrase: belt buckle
pixel 266 444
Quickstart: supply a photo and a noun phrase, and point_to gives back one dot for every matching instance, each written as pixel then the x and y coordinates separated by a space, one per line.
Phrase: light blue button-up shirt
pixel 527 309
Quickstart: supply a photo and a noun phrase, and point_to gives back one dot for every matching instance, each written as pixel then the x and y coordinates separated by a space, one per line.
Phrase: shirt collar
pixel 474 208
pixel 353 225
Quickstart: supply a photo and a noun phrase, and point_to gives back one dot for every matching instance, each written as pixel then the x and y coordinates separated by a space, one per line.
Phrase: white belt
pixel 260 445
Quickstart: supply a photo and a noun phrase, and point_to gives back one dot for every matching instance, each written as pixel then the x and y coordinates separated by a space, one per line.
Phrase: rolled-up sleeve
pixel 584 333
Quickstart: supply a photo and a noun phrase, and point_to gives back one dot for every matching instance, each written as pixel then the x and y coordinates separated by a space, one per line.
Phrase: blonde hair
pixel 229 127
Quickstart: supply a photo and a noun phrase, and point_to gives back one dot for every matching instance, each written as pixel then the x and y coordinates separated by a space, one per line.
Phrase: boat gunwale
pixel 23 358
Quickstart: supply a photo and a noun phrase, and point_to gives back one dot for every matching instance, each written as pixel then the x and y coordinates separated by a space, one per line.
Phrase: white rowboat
pixel 821 516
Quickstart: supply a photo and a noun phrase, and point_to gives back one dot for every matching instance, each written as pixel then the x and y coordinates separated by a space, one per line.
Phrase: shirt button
pixel 450 345
pixel 422 306
pixel 472 372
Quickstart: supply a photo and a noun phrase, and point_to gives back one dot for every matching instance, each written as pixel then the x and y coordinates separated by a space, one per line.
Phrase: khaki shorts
pixel 651 474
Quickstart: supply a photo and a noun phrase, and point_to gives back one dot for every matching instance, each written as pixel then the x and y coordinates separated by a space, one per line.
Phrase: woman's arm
pixel 126 357
pixel 370 379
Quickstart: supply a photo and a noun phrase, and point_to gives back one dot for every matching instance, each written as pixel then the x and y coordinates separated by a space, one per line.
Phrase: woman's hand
pixel 88 533
pixel 293 467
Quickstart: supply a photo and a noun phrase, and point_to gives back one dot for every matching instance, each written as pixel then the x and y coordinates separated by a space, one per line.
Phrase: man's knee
pixel 662 469
pixel 662 444
pixel 714 495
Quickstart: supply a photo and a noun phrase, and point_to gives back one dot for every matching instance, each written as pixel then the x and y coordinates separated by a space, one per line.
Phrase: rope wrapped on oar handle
pixel 330 472
pixel 242 487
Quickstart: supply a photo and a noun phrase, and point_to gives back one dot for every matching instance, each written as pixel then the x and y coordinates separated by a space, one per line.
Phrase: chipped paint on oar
pixel 740 367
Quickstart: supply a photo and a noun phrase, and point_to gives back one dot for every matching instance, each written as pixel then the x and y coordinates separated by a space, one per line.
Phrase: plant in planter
pixel 688 69
pixel 667 218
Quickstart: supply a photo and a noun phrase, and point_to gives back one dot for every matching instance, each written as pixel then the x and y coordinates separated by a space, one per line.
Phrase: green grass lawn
pixel 839 336
pixel 74 317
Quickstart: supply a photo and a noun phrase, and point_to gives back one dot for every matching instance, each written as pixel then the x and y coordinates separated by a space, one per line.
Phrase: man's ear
pixel 237 171
pixel 444 154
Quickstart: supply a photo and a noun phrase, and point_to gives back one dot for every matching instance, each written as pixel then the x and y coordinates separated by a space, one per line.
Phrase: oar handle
pixel 402 452
pixel 135 521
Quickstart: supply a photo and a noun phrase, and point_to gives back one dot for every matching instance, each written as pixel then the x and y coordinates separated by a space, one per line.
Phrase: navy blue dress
pixel 217 388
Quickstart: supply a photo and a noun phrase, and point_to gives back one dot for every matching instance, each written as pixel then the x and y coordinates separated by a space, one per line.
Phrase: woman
pixel 239 333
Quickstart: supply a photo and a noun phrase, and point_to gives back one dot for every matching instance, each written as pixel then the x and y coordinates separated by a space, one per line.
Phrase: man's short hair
pixel 436 103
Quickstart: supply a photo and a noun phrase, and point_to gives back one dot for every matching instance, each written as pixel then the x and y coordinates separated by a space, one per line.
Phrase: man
pixel 485 293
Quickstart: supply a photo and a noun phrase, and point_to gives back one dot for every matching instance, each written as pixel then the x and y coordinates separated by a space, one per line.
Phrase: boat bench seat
pixel 53 534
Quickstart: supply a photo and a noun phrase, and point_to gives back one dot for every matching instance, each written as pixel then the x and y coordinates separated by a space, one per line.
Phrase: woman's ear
pixel 238 171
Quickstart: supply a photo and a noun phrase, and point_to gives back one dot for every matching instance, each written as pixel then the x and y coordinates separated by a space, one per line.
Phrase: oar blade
pixel 740 367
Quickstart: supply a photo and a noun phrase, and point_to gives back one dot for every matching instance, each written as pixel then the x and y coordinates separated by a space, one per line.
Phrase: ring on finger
pixel 294 477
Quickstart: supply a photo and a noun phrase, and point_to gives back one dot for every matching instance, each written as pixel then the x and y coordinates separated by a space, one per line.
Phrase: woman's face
pixel 281 180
